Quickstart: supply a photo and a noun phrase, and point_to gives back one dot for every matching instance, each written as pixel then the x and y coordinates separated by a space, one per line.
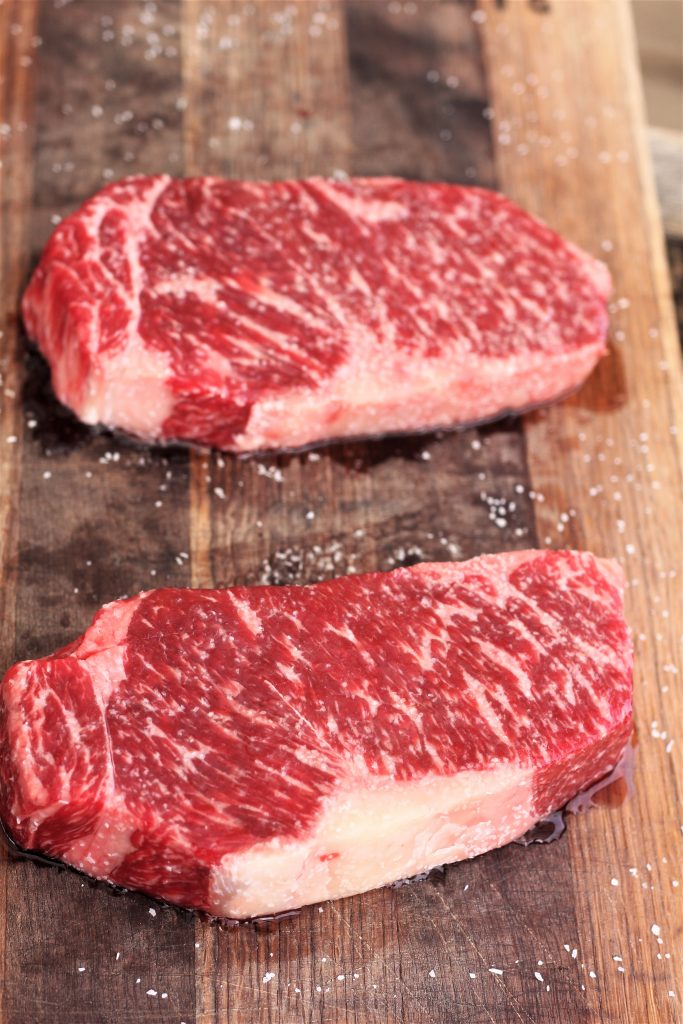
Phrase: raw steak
pixel 251 315
pixel 255 749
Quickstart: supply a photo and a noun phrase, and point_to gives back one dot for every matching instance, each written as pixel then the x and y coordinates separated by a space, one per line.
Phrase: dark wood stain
pixel 90 531
pixel 418 93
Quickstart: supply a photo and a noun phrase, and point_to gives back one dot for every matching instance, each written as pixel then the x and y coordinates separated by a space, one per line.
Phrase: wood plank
pixel 237 125
pixel 16 107
pixel 99 518
pixel 574 106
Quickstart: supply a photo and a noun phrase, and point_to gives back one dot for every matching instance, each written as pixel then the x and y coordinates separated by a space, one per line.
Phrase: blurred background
pixel 659 26
pixel 659 29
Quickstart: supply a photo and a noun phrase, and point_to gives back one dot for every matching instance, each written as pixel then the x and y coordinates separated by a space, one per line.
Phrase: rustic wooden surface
pixel 541 100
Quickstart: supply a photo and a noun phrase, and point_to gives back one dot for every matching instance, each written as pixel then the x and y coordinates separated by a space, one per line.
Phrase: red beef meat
pixel 251 750
pixel 251 315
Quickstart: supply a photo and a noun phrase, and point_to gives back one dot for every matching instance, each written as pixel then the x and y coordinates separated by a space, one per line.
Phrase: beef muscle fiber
pixel 251 750
pixel 252 315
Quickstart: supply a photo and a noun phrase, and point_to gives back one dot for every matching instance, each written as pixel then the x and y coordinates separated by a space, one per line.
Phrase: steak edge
pixel 251 750
pixel 253 315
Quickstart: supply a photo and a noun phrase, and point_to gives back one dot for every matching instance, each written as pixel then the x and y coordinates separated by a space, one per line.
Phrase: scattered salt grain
pixel 268 976
pixel 152 912
pixel 538 976
pixel 495 970
pixel 432 973
pixel 272 472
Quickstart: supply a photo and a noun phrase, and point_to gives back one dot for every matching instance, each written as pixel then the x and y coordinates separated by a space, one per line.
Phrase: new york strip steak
pixel 253 315
pixel 251 750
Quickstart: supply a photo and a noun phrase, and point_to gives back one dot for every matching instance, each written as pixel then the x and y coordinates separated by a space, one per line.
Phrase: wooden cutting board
pixel 542 100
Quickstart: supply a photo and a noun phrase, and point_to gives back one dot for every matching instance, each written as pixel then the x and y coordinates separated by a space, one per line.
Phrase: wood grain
pixel 620 470
pixel 272 89
pixel 15 185
pixel 99 518
pixel 16 107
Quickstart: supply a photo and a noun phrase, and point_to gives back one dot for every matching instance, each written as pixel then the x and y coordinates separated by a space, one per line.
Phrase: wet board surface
pixel 541 100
